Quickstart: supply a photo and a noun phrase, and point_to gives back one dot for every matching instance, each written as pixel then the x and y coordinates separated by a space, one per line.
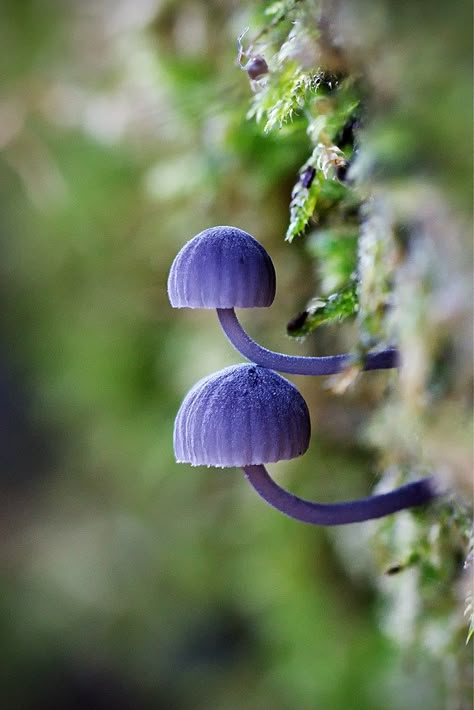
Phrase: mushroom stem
pixel 354 511
pixel 296 364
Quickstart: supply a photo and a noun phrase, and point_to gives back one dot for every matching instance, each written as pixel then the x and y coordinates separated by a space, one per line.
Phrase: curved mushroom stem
pixel 296 364
pixel 354 511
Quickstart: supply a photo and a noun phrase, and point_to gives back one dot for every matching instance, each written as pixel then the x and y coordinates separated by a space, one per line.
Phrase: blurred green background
pixel 129 581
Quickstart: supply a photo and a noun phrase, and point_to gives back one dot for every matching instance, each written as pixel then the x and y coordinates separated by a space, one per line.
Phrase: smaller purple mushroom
pixel 226 268
pixel 256 67
pixel 247 416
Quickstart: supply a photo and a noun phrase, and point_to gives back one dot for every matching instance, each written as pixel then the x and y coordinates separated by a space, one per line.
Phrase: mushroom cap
pixel 256 67
pixel 222 267
pixel 241 416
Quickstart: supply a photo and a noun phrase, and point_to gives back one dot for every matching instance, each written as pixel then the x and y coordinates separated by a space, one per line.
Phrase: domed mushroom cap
pixel 241 416
pixel 222 267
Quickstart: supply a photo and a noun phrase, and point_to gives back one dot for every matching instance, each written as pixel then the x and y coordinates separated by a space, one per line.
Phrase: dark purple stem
pixel 296 364
pixel 354 511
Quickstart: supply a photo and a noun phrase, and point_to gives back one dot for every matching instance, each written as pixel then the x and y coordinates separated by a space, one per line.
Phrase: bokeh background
pixel 129 581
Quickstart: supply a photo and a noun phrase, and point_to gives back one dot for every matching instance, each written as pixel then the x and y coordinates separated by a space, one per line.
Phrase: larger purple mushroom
pixel 248 416
pixel 226 268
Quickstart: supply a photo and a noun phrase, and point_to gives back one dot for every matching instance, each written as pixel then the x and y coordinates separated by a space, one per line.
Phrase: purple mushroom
pixel 247 416
pixel 225 268
pixel 256 67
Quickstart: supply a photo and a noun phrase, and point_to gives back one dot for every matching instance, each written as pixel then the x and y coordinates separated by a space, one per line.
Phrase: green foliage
pixel 468 566
pixel 422 556
pixel 323 311
pixel 335 253
pixel 324 102
pixel 389 248
pixel 376 264
pixel 279 101
pixel 321 192
pixel 303 203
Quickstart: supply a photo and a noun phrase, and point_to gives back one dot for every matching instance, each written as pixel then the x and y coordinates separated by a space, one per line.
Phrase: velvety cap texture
pixel 222 267
pixel 241 416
